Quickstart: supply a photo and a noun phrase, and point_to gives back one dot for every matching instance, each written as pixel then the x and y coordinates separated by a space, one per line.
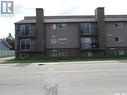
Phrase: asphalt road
pixel 96 78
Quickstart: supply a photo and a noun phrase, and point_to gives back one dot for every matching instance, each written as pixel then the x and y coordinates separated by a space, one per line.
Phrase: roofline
pixel 6 43
pixel 71 17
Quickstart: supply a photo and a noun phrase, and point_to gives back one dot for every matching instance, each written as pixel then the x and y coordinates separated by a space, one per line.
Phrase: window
pixel 118 39
pixel 58 26
pixel 62 53
pixel 54 53
pixel 24 55
pixel 89 53
pixel 118 25
pixel 22 44
pixel 62 40
pixel 24 29
pixel 53 39
pixel 119 52
pixel 25 44
pixel 85 28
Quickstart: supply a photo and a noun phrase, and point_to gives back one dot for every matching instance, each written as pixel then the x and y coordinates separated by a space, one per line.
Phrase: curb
pixel 62 63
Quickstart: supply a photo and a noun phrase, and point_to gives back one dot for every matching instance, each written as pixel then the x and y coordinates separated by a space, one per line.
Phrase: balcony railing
pixel 89 45
pixel 33 47
pixel 88 31
pixel 24 33
pixel 30 33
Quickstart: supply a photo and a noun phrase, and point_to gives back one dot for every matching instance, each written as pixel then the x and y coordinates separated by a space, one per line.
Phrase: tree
pixel 11 41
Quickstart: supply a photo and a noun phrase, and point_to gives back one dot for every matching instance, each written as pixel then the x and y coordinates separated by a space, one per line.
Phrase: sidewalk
pixel 61 63
pixel 6 59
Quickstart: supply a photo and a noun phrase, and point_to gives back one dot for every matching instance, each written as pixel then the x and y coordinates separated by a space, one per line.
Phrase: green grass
pixel 66 59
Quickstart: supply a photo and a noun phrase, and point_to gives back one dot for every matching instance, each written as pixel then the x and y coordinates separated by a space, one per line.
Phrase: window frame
pixel 62 40
pixel 118 25
pixel 85 28
pixel 121 52
pixel 62 53
pixel 54 53
pixel 58 26
pixel 119 39
pixel 53 40
pixel 25 44
pixel 24 29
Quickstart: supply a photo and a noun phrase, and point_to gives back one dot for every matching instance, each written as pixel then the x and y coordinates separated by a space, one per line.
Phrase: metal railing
pixel 89 45
pixel 88 31
pixel 31 32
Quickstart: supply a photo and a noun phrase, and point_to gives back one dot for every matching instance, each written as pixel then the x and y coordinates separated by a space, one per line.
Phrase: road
pixel 98 78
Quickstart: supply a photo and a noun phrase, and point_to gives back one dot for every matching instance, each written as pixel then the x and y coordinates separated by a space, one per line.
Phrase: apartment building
pixel 86 35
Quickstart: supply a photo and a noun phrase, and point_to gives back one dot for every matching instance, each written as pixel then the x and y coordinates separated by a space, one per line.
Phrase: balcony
pixel 88 31
pixel 89 46
pixel 33 48
pixel 30 33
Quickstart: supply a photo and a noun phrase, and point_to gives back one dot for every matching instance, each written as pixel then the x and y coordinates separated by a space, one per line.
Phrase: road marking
pixel 50 83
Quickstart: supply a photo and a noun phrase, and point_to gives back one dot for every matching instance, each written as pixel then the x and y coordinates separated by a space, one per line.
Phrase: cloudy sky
pixel 58 7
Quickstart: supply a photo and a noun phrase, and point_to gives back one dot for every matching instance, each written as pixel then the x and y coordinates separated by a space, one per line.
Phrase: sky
pixel 57 7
